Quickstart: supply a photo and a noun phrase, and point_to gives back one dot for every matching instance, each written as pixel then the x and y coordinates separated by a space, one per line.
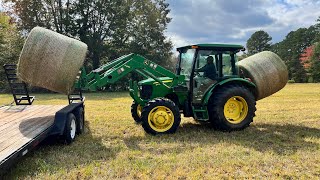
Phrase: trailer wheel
pixel 79 113
pixel 70 128
pixel 160 116
pixel 136 110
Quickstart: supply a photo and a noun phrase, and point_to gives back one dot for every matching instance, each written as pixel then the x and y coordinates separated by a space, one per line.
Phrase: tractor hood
pixel 151 81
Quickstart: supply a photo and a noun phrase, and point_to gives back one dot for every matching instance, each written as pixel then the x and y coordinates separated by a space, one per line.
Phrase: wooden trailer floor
pixel 21 124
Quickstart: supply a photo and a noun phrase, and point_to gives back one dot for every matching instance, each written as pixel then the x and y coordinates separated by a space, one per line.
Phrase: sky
pixel 234 21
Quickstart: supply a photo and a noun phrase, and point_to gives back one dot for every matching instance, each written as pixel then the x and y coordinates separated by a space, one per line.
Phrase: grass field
pixel 282 142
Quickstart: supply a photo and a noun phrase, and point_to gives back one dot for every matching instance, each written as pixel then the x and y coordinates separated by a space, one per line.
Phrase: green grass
pixel 282 142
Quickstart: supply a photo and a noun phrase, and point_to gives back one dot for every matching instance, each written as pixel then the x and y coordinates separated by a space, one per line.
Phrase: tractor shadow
pixel 280 139
pixel 53 155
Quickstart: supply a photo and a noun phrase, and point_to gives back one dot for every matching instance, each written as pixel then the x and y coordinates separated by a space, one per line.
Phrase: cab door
pixel 201 81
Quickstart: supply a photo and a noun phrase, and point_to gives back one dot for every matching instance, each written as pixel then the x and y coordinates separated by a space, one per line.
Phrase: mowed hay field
pixel 282 142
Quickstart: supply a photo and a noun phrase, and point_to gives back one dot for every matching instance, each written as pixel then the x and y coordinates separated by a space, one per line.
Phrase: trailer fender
pixel 62 116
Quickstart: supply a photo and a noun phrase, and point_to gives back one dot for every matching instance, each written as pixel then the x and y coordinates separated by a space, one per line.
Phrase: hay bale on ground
pixel 51 60
pixel 267 71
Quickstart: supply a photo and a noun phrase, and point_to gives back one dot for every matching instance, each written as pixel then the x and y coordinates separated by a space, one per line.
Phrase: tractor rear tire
pixel 160 116
pixel 232 108
pixel 136 111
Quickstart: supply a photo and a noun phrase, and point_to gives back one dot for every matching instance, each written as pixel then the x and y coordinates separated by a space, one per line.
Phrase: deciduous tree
pixel 292 47
pixel 315 63
pixel 11 43
pixel 110 28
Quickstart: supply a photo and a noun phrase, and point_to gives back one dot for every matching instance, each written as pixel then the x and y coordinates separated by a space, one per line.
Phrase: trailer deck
pixel 21 125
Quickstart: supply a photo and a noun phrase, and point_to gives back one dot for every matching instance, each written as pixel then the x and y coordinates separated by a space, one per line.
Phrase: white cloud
pixel 179 41
pixel 209 21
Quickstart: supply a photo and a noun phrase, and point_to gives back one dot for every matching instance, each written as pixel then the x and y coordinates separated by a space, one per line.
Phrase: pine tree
pixel 259 41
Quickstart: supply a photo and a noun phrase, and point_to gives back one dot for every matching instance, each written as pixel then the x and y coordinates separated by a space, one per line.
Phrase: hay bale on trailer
pixel 267 71
pixel 51 60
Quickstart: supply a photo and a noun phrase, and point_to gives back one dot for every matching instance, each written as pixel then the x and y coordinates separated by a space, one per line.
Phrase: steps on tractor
pixel 200 112
pixel 18 88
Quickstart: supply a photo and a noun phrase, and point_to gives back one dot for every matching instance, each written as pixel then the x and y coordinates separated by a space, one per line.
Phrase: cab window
pixel 186 62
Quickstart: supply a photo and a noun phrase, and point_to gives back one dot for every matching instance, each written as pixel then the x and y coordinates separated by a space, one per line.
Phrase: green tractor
pixel 207 86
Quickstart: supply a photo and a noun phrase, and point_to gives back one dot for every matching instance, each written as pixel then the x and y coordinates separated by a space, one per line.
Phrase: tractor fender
pixel 244 82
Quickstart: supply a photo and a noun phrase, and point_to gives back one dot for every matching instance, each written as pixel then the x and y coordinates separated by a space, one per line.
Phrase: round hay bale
pixel 51 60
pixel 267 71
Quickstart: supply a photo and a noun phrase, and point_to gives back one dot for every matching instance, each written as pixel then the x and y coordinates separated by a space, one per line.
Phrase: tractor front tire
pixel 232 108
pixel 160 116
pixel 136 111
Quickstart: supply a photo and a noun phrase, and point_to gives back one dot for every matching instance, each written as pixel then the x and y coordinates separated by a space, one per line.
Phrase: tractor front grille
pixel 146 91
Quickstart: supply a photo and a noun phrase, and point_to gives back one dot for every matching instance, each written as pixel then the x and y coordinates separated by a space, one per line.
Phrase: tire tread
pixel 160 102
pixel 217 103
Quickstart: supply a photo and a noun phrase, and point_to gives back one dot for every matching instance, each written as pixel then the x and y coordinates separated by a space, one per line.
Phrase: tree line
pixel 114 28
pixel 291 49
pixel 109 28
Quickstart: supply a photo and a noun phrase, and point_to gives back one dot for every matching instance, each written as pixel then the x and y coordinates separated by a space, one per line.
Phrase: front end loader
pixel 225 98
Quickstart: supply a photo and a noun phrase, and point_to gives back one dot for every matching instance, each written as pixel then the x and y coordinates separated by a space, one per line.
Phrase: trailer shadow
pixel 52 155
pixel 280 139
pixel 32 127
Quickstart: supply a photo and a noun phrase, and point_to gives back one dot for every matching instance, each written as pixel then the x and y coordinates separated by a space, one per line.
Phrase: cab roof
pixel 223 47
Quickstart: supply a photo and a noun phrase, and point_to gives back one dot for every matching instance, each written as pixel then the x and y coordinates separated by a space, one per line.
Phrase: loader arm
pixel 120 67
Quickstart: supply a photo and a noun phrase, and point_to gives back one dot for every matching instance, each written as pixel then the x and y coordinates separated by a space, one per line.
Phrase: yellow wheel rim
pixel 139 110
pixel 161 119
pixel 236 109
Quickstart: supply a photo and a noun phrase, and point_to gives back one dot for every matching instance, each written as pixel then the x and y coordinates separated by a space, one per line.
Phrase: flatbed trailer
pixel 23 127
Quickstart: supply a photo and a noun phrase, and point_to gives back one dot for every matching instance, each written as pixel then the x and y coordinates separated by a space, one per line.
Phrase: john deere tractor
pixel 206 86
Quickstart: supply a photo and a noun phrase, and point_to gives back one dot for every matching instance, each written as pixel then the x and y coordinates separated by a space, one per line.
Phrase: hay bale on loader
pixel 267 71
pixel 51 60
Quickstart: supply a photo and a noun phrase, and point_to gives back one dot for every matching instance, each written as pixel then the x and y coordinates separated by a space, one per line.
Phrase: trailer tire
pixel 160 116
pixel 136 111
pixel 70 128
pixel 79 113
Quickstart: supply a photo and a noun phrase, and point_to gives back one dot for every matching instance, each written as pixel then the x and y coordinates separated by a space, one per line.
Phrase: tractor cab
pixel 205 65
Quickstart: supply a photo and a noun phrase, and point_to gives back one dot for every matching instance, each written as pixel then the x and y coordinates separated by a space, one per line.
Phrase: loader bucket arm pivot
pixel 118 68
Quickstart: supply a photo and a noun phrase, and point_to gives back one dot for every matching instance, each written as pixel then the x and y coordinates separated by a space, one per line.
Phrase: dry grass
pixel 283 142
